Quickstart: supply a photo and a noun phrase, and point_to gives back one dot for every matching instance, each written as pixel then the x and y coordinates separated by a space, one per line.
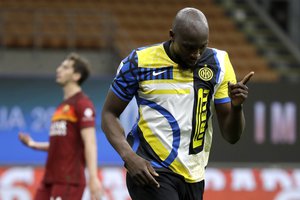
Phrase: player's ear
pixel 171 33
pixel 76 77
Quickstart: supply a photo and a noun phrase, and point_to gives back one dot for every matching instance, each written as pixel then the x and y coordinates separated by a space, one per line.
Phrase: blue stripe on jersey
pixel 218 65
pixel 224 100
pixel 175 129
pixel 155 73
pixel 156 164
pixel 143 73
pixel 116 91
pixel 136 141
pixel 125 83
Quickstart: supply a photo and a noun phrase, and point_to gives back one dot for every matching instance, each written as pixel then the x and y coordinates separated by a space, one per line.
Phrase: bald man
pixel 178 84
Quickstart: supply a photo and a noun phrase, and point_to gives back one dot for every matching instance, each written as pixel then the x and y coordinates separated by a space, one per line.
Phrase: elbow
pixel 232 136
pixel 233 140
pixel 104 125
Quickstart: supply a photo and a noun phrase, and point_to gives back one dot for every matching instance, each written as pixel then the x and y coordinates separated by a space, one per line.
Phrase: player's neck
pixel 172 53
pixel 70 90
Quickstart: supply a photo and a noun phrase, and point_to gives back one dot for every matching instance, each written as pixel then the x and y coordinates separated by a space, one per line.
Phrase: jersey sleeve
pixel 86 113
pixel 221 95
pixel 125 84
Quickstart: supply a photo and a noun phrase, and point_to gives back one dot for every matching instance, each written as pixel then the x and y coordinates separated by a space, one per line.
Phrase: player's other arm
pixel 231 121
pixel 88 136
pixel 112 109
pixel 29 142
pixel 138 168
pixel 230 115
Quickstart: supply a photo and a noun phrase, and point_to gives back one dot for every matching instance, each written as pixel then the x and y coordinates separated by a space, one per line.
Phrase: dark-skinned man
pixel 178 84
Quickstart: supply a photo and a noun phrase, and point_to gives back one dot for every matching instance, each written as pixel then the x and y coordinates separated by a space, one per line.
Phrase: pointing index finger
pixel 247 78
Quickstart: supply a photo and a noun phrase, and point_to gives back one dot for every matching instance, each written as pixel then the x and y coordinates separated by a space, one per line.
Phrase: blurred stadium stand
pixel 270 25
pixel 117 26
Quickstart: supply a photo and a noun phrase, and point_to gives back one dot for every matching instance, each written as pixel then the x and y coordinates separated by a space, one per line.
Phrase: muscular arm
pixel 88 136
pixel 138 168
pixel 230 115
pixel 29 142
pixel 231 121
pixel 112 109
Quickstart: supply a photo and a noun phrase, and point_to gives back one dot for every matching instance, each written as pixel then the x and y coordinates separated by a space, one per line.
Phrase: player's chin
pixel 59 81
pixel 191 63
pixel 188 65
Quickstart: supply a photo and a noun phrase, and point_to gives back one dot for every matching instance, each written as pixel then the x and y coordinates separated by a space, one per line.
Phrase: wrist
pixel 93 178
pixel 237 107
pixel 127 155
pixel 32 144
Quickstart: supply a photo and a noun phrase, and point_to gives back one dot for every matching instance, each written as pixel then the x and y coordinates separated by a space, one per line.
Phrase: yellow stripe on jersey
pixel 156 144
pixel 178 168
pixel 229 76
pixel 201 117
pixel 182 75
pixel 179 80
pixel 154 57
pixel 167 91
pixel 161 151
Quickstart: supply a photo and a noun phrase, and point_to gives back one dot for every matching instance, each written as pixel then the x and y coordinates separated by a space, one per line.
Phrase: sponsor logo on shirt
pixel 158 73
pixel 65 112
pixel 88 114
pixel 58 128
pixel 66 108
pixel 55 198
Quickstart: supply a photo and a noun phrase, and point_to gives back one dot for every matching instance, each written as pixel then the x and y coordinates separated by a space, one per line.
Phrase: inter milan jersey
pixel 176 105
pixel 65 162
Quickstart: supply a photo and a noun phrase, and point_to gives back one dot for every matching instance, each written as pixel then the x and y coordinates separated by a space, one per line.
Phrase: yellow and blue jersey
pixel 176 105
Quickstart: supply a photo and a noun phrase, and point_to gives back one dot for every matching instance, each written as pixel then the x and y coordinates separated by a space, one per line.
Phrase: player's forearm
pixel 235 125
pixel 115 135
pixel 90 152
pixel 41 146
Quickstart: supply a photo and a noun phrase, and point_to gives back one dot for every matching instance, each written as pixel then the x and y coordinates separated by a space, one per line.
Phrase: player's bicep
pixel 114 104
pixel 222 112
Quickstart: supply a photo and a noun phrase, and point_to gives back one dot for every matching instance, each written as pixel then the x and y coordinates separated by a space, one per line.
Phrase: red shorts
pixel 59 192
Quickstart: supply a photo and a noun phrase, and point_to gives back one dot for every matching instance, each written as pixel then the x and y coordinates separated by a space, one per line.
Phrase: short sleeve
pixel 221 95
pixel 125 84
pixel 86 113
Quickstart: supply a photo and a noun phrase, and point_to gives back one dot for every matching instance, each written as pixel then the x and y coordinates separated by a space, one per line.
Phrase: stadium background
pixel 261 35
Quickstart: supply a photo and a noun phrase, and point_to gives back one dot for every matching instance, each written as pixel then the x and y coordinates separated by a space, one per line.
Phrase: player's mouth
pixel 58 77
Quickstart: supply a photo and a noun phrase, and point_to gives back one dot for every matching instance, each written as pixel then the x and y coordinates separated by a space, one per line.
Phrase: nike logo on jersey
pixel 158 73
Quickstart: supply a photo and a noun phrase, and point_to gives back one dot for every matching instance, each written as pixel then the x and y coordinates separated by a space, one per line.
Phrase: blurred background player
pixel 178 83
pixel 72 145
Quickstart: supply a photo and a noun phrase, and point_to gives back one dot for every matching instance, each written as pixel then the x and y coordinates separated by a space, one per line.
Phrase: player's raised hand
pixel 239 92
pixel 25 139
pixel 247 78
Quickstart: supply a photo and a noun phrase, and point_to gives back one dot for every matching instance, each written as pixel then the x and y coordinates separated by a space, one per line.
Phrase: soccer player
pixel 178 85
pixel 72 144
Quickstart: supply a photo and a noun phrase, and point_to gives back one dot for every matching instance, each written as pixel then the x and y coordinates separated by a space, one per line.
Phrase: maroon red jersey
pixel 66 162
